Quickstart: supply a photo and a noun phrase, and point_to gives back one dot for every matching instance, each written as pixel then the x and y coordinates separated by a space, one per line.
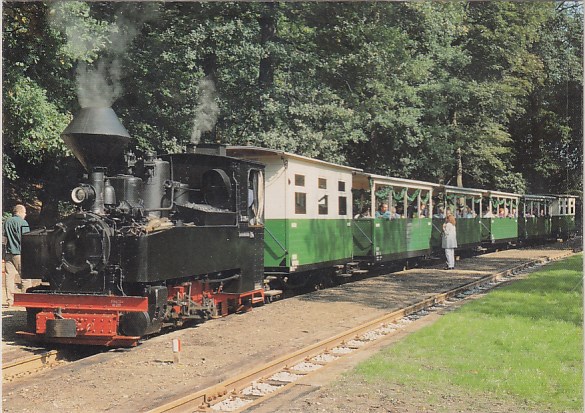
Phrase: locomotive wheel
pixel 61 328
pixel 135 324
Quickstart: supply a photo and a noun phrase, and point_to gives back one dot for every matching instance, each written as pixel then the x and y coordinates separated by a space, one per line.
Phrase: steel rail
pixel 200 400
pixel 29 365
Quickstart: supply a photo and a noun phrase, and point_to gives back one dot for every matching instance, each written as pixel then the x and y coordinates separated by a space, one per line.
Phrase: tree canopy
pixel 394 88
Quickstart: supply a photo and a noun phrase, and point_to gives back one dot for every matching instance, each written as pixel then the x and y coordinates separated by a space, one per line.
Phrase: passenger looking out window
pixel 383 212
pixel 440 213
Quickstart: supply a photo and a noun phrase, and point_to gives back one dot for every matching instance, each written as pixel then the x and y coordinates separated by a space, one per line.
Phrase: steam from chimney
pixel 98 85
pixel 207 109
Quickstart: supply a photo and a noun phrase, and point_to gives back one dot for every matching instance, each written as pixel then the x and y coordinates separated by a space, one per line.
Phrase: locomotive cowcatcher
pixel 165 240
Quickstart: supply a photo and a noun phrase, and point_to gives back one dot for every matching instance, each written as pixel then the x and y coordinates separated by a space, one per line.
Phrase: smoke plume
pixel 99 84
pixel 207 110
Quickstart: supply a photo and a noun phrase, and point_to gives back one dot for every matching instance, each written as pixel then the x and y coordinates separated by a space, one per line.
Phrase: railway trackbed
pixel 263 382
pixel 42 361
pixel 30 365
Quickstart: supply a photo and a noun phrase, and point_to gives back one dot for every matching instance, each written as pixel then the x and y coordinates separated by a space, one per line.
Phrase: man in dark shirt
pixel 13 229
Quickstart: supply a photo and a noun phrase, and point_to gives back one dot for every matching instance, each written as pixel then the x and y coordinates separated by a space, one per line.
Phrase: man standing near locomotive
pixel 13 229
pixel 450 241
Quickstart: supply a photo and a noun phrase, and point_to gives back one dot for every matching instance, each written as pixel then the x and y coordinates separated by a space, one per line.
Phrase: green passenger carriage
pixel 307 212
pixel 380 239
pixel 465 204
pixel 500 219
pixel 563 216
pixel 320 217
pixel 534 221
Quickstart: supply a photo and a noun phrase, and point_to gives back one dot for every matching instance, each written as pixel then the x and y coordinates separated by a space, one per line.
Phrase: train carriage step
pixel 344 275
pixel 271 295
pixel 359 272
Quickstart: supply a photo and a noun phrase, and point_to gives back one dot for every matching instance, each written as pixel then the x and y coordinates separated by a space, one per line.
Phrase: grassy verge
pixel 523 342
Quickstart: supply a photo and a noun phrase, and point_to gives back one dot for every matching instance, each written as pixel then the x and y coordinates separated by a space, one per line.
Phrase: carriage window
pixel 322 183
pixel 300 180
pixel 342 205
pixel 341 186
pixel 300 203
pixel 323 205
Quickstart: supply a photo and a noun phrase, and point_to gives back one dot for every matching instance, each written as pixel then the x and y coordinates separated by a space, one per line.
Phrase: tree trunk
pixel 267 34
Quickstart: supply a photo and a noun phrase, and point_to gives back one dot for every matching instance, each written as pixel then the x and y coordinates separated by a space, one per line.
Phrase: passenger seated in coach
pixel 440 213
pixel 383 212
pixel 468 213
pixel 365 213
pixel 410 212
pixel 513 213
pixel 501 213
pixel 393 214
pixel 488 214
pixel 422 211
pixel 461 213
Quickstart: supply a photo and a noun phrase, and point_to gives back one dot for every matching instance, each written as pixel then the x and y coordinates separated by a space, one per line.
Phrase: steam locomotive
pixel 172 239
pixel 158 241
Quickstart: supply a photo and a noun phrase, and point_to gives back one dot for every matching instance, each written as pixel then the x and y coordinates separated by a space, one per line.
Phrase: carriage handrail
pixel 437 228
pixel 365 235
pixel 489 230
pixel 277 241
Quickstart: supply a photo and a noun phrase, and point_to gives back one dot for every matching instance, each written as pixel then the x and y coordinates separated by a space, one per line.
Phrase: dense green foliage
pixel 394 88
pixel 523 342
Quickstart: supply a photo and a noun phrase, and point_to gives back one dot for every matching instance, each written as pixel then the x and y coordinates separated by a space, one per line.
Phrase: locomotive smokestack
pixel 96 137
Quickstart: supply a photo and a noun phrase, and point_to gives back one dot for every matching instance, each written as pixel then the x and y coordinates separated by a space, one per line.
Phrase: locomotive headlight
pixel 82 194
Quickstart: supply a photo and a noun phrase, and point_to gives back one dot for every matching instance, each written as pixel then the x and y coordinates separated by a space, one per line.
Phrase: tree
pixel 548 137
pixel 38 95
pixel 394 88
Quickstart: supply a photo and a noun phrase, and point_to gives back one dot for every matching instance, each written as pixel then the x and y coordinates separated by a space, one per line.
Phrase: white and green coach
pixel 308 210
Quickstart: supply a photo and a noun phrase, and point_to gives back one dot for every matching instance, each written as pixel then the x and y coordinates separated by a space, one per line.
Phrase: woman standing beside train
pixel 450 240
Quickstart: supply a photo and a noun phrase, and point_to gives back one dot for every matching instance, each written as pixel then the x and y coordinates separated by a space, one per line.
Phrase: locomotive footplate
pixel 83 319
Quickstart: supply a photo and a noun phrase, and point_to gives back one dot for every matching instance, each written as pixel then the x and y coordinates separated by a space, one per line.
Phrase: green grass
pixel 522 342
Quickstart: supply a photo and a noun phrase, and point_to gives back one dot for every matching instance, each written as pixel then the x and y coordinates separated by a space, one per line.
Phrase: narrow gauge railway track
pixel 256 386
pixel 42 361
pixel 30 365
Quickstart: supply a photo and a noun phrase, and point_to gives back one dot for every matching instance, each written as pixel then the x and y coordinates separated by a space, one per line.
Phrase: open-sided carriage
pixel 396 238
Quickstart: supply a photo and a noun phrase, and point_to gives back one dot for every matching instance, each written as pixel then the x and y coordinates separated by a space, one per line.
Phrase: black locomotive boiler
pixel 170 239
